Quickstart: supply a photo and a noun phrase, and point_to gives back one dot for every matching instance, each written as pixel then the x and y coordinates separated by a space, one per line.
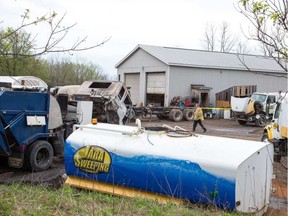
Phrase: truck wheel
pixel 188 114
pixel 264 137
pixel 176 115
pixel 131 114
pixel 261 122
pixel 39 156
pixel 257 106
pixel 241 122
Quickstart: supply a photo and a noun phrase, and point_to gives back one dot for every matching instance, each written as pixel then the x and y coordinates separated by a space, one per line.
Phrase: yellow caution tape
pixel 214 108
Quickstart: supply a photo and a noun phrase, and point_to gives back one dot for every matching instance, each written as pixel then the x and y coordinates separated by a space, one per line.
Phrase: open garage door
pixel 155 92
pixel 132 82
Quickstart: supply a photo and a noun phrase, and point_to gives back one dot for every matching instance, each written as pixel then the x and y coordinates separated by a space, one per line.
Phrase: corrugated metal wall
pixel 179 79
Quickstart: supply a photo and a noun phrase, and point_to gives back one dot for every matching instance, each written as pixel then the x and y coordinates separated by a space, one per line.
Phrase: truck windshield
pixel 259 97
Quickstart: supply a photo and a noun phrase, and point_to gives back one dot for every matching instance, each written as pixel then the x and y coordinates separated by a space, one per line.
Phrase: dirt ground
pixel 215 127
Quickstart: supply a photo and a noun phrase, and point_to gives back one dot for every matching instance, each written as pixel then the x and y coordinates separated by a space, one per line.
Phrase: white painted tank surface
pixel 231 173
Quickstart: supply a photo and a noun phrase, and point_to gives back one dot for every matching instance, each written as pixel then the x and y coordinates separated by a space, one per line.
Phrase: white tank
pixel 231 173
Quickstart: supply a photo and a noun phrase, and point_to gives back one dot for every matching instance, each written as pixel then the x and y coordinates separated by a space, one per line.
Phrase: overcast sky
pixel 175 23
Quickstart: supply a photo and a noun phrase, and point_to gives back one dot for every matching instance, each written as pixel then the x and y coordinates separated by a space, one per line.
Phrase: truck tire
pixel 188 114
pixel 241 122
pixel 257 106
pixel 39 156
pixel 176 115
pixel 131 114
pixel 264 137
pixel 261 122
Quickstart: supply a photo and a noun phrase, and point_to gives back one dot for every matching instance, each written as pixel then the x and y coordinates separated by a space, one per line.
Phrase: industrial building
pixel 156 74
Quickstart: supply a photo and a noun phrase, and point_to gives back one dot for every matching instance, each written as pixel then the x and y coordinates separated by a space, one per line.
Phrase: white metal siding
pixel 181 79
pixel 156 83
pixel 132 81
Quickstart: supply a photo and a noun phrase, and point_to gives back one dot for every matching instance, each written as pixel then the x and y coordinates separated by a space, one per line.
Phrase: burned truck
pixel 111 101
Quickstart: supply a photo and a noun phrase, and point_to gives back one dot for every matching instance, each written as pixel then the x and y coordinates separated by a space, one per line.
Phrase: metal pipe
pixel 106 129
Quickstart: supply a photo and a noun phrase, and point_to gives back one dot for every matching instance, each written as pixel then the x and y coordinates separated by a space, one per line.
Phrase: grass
pixel 22 199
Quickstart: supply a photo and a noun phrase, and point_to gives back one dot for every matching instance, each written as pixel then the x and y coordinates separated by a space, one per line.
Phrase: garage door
pixel 156 83
pixel 132 81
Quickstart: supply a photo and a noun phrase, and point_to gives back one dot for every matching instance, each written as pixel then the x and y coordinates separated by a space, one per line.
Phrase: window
pixel 277 111
pixel 271 99
pixel 259 97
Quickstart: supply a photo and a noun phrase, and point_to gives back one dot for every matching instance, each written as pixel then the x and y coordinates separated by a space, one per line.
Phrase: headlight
pixel 257 116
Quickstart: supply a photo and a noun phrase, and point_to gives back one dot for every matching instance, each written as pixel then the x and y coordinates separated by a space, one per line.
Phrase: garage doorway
pixel 155 89
pixel 132 82
pixel 155 99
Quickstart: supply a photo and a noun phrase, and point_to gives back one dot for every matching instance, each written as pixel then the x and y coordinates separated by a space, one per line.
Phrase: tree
pixel 227 40
pixel 65 72
pixel 56 35
pixel 269 19
pixel 222 40
pixel 210 37
pixel 18 43
pixel 19 54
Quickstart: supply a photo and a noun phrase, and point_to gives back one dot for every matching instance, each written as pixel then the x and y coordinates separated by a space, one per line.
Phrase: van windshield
pixel 259 97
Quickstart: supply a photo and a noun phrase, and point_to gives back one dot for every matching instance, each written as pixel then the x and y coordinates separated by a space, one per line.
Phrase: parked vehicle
pixel 34 124
pixel 258 108
pixel 31 129
pixel 277 131
pixel 174 113
pixel 111 100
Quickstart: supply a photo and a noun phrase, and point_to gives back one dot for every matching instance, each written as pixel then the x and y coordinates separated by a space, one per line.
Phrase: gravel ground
pixel 215 127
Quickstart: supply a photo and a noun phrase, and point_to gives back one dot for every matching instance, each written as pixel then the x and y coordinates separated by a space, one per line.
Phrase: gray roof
pixel 207 59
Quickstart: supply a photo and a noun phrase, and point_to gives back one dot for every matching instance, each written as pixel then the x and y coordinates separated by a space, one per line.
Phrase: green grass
pixel 23 199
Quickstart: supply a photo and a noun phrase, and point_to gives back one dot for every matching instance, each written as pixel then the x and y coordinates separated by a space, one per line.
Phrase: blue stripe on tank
pixel 176 178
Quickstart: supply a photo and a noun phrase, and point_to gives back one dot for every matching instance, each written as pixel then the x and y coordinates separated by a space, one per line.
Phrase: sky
pixel 172 23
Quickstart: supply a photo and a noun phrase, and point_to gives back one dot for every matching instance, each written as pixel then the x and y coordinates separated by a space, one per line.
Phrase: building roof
pixel 207 59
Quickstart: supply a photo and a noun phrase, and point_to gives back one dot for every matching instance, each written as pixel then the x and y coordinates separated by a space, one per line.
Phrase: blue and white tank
pixel 230 173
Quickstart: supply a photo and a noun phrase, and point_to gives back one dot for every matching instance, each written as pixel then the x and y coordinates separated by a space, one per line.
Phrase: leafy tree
pixel 65 72
pixel 269 19
pixel 20 44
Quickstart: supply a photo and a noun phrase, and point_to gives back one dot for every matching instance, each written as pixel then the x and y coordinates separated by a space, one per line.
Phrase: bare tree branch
pixel 220 39
pixel 53 43
pixel 210 37
pixel 227 41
